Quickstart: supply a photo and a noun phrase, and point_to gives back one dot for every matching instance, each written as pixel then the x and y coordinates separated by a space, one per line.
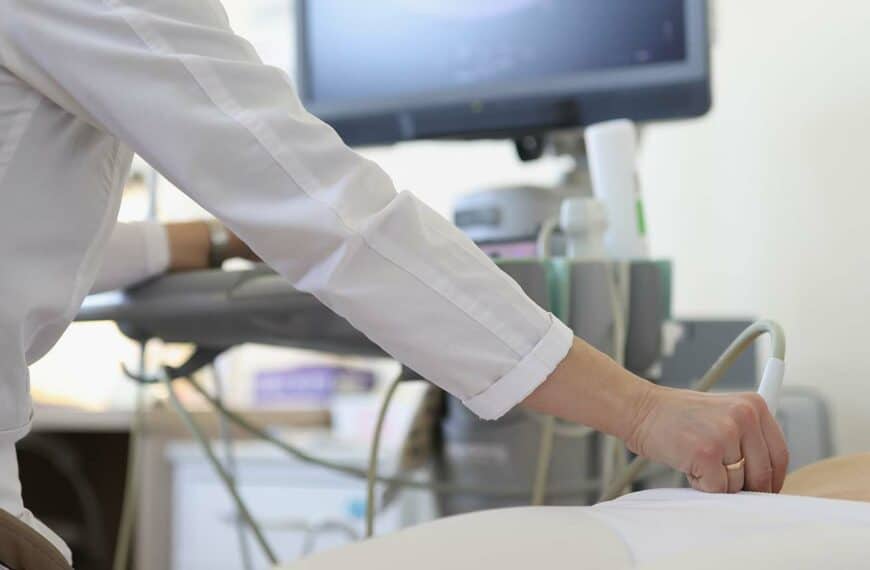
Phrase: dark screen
pixel 358 50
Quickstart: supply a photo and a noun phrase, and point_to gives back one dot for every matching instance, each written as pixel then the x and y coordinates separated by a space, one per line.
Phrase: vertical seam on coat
pixel 16 132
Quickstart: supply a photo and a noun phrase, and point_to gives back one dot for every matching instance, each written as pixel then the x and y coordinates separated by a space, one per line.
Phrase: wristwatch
pixel 219 243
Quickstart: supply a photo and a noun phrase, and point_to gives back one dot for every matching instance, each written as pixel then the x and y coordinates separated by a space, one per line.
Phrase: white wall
pixel 764 204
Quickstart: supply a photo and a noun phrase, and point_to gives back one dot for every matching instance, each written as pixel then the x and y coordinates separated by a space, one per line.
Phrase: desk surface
pixel 163 421
pixel 219 309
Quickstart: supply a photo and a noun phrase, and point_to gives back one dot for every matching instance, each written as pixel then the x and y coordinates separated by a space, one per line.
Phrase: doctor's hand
pixel 722 442
pixel 699 434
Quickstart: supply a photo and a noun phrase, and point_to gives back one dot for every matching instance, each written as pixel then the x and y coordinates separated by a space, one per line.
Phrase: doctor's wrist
pixel 192 246
pixel 189 246
pixel 590 388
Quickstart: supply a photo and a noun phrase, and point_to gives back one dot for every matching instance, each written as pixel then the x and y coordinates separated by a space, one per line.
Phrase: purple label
pixel 309 383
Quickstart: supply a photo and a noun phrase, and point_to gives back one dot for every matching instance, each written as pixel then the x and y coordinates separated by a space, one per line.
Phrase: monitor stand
pixel 563 143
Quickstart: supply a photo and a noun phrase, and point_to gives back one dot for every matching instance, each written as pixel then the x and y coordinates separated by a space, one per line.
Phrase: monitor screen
pixel 387 70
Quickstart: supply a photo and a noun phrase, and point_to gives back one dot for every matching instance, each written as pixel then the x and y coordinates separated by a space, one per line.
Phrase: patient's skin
pixel 846 477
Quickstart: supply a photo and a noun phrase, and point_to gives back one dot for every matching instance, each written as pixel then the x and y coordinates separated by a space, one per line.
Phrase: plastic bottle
pixel 611 149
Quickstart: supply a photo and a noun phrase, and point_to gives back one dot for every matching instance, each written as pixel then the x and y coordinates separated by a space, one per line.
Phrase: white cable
pixel 545 237
pixel 130 500
pixel 545 456
pixel 613 451
pixel 490 490
pixel 372 475
pixel 773 379
pixel 226 436
pixel 220 471
pixel 617 285
pixel 550 426
pixel 313 531
pixel 627 475
pixel 614 454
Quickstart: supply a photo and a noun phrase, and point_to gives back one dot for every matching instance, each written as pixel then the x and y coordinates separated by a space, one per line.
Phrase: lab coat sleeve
pixel 135 253
pixel 170 79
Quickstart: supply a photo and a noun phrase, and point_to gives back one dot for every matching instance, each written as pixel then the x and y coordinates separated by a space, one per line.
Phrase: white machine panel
pixel 301 508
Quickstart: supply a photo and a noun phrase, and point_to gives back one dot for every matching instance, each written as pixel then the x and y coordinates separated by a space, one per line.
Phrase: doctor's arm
pixel 139 251
pixel 172 81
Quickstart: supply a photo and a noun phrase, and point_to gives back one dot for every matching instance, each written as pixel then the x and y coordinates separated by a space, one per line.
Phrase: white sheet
pixel 660 523
pixel 668 528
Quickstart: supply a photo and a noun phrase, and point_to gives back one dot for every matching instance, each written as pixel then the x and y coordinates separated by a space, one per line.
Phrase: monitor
pixel 384 71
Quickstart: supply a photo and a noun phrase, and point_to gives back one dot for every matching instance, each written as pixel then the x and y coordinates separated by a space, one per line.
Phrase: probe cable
pixel 626 477
pixel 716 372
pixel 130 500
pixel 226 435
pixel 354 471
pixel 225 477
pixel 372 475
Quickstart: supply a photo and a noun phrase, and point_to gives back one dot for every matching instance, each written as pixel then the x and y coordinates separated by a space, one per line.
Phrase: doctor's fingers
pixel 733 454
pixel 728 451
pixel 777 447
pixel 708 472
pixel 759 471
pixel 764 445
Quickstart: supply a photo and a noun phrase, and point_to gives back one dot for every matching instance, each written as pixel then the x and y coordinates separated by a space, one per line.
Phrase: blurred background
pixel 760 206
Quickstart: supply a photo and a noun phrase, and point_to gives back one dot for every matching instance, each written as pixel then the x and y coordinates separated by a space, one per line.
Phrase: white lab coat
pixel 135 252
pixel 84 83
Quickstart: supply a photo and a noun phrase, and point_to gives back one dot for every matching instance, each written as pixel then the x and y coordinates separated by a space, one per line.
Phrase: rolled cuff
pixel 526 376
pixel 156 248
